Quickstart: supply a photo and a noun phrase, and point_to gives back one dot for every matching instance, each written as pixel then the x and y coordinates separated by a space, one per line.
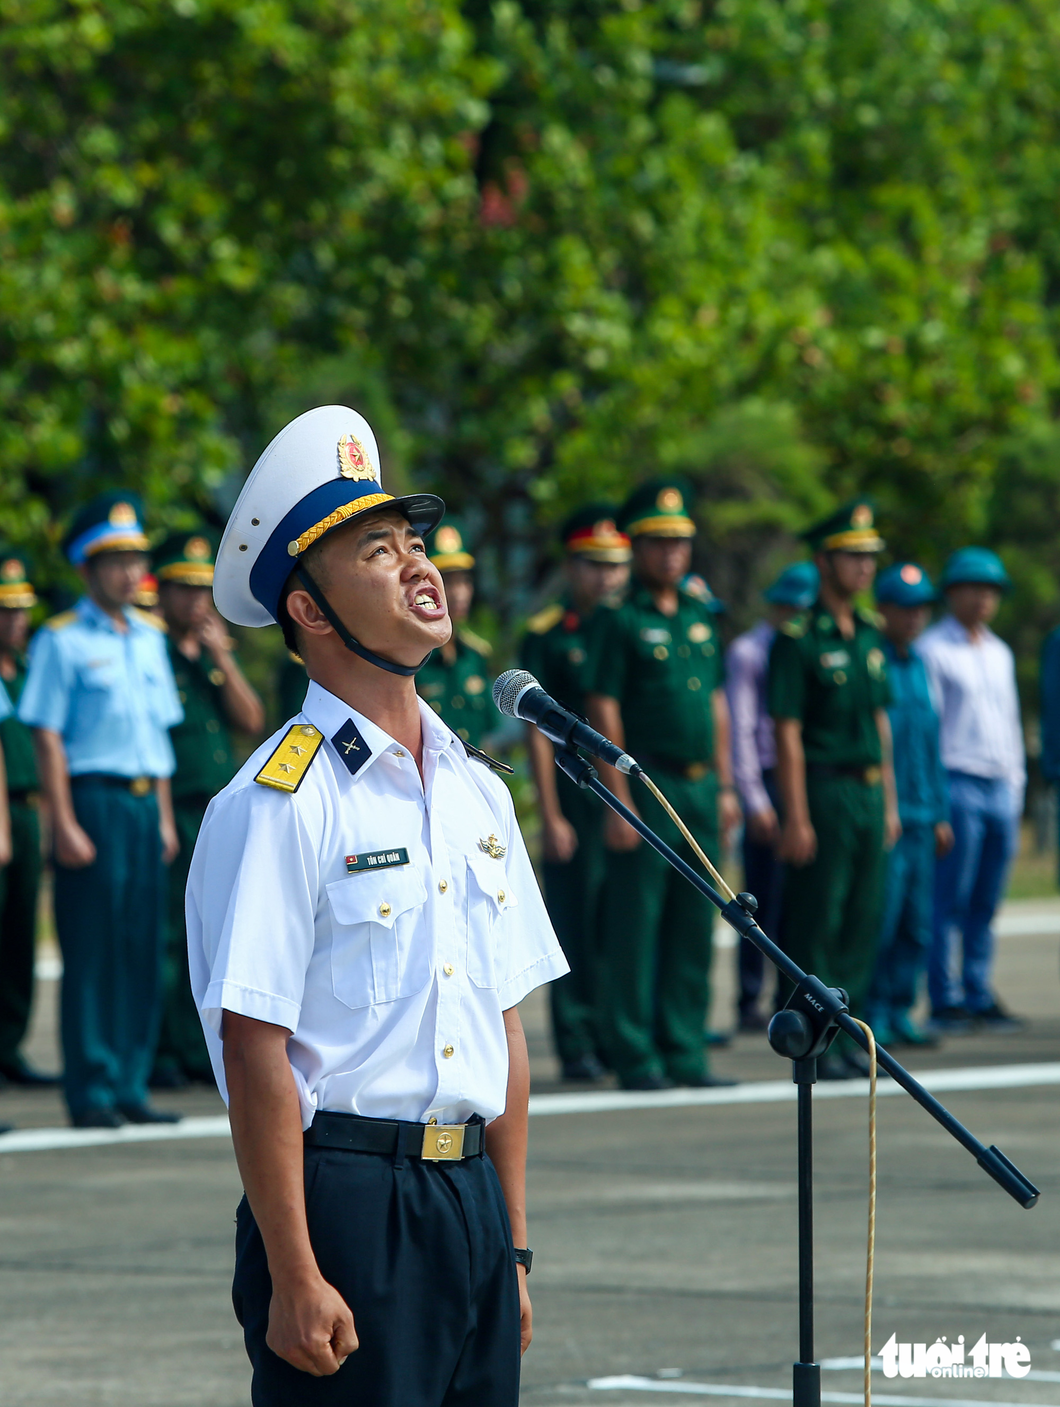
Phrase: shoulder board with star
pixel 870 617
pixel 61 621
pixel 147 618
pixel 473 641
pixel 797 627
pixel 543 622
pixel 289 763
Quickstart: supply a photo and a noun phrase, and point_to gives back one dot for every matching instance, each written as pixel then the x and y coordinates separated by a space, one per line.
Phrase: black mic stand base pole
pixel 806 1374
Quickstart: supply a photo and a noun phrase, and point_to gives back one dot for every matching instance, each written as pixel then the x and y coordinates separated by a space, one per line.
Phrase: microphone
pixel 518 695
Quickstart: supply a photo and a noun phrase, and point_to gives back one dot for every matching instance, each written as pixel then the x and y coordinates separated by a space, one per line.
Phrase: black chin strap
pixel 345 636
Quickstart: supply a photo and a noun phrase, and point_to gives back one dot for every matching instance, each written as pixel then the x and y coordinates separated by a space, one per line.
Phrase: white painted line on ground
pixel 627 1382
pixel 603 1101
pixel 983 1077
pixel 1030 925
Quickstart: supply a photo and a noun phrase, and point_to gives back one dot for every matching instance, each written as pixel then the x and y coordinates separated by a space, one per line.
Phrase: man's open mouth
pixel 427 601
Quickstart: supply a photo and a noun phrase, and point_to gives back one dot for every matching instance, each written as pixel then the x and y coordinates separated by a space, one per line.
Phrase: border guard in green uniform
pixel 828 694
pixel 455 680
pixel 555 651
pixel 655 688
pixel 215 697
pixel 19 880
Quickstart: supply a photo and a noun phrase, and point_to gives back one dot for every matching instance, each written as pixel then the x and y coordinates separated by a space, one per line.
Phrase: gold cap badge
pixel 197 549
pixel 861 516
pixel 11 570
pixel 447 539
pixel 122 515
pixel 353 459
pixel 670 501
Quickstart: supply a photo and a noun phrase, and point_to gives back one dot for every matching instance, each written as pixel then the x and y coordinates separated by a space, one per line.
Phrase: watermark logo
pixel 949 1360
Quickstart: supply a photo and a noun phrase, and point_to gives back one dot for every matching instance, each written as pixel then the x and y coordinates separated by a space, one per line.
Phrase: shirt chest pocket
pixel 379 947
pixel 489 897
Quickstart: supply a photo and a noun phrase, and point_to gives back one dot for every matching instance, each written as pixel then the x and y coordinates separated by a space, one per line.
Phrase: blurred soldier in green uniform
pixel 19 880
pixel 215 696
pixel 455 680
pixel 555 651
pixel 828 694
pixel 291 684
pixel 655 688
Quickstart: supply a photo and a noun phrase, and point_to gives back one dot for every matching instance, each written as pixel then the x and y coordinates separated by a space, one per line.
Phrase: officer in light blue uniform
pixel 101 698
pixel 904 594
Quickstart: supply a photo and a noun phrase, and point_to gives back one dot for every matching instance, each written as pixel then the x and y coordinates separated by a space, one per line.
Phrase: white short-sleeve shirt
pixel 393 981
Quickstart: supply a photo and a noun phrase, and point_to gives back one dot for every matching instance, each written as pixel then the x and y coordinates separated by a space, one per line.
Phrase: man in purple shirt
pixel 754 760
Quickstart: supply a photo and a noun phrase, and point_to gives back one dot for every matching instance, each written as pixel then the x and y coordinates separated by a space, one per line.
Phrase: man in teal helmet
pixel 904 596
pixel 828 695
pixel 555 651
pixel 655 687
pixel 974 676
pixel 101 698
pixel 754 766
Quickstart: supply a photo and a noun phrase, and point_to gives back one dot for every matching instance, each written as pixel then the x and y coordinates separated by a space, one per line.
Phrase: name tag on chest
pixel 376 860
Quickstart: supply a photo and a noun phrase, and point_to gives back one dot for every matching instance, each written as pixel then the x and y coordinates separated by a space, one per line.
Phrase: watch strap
pixel 524 1256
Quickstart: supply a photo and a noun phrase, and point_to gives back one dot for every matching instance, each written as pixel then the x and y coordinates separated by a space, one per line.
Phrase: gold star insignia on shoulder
pixel 303 743
pixel 492 847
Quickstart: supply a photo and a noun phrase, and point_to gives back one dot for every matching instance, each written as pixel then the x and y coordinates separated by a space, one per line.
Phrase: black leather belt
pixel 871 776
pixel 139 786
pixel 432 1142
pixel 691 771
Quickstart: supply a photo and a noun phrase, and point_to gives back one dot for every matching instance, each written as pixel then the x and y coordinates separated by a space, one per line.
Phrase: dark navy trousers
pixel 422 1254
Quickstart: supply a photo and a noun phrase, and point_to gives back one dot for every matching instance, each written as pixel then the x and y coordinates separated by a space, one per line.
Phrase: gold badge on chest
pixel 492 847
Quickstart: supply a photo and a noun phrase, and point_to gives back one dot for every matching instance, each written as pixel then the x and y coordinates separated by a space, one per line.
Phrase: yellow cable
pixel 687 835
pixel 870 1257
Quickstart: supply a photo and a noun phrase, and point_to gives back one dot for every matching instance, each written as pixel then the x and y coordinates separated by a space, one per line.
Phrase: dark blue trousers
pixel 905 930
pixel 108 916
pixel 763 876
pixel 422 1254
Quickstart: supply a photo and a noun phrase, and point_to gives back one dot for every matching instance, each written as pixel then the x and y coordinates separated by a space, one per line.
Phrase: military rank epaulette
pixel 473 641
pixel 797 626
pixel 543 622
pixel 61 621
pixel 149 618
pixel 289 763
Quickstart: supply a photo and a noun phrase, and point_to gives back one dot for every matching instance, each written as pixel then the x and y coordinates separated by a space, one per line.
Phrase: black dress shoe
pixel 168 1077
pixel 706 1082
pixel 648 1082
pixel 996 1018
pixel 833 1067
pixel 145 1114
pixel 19 1073
pixel 587 1069
pixel 98 1119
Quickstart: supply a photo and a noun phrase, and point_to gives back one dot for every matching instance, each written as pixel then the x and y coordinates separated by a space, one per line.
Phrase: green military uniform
pixel 833 685
pixel 458 687
pixel 656 937
pixel 20 880
pixel 205 763
pixel 555 650
pixel 291 685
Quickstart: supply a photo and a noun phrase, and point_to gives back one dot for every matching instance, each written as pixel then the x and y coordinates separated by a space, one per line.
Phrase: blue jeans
pixel 905 930
pixel 968 886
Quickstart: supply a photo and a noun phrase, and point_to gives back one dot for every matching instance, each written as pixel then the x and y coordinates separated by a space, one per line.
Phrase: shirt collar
pixel 92 614
pixel 329 713
pixel 957 631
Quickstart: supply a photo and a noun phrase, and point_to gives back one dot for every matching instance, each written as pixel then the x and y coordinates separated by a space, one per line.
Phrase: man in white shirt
pixel 362 921
pixel 981 742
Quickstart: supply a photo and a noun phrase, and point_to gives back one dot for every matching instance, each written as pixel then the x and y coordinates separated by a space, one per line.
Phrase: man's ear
pixel 306 614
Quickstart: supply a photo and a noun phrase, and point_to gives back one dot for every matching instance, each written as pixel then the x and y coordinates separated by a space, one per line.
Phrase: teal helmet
pixel 796 586
pixel 975 565
pixel 905 584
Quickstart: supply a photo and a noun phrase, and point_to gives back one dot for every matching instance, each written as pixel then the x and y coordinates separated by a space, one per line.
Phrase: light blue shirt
pixel 5 703
pixel 109 694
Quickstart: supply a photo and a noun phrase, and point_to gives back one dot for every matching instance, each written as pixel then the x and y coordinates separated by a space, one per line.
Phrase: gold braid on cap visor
pixel 663 525
pixel 854 540
pixel 348 510
pixel 187 573
pixel 17 595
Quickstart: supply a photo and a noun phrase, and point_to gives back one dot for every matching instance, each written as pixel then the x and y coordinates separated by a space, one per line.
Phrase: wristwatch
pixel 524 1256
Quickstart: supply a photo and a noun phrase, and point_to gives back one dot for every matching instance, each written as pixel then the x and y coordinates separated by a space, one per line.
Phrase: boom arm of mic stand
pixel 991 1159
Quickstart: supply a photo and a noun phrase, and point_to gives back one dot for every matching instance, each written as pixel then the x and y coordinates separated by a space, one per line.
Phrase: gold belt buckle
pixel 443 1143
pixel 140 786
pixel 873 776
pixel 696 771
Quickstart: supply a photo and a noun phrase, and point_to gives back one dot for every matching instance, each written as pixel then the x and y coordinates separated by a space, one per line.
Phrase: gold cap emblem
pixel 447 539
pixel 11 570
pixel 670 501
pixel 861 516
pixel 197 549
pixel 122 515
pixel 353 459
pixel 605 528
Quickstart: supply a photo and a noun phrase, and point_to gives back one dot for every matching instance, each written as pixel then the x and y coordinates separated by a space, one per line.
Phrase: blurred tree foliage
pixel 792 248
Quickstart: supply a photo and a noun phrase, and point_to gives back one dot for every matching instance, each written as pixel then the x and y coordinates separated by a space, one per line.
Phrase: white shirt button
pixel 443 885
pixel 500 896
pixel 449 1052
pixel 384 909
pixel 448 969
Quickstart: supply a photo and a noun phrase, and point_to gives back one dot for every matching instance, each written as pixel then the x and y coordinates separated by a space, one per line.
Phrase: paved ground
pixel 665 1238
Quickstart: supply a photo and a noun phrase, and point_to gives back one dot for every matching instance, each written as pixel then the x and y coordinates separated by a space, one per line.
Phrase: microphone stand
pixel 801 1032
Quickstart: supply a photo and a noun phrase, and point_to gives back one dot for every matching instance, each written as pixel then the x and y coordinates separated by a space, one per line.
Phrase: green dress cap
pixel 110 522
pixel 851 528
pixel 976 566
pixel 185 557
pixel 658 508
pixel 905 584
pixel 445 548
pixel 590 532
pixel 16 591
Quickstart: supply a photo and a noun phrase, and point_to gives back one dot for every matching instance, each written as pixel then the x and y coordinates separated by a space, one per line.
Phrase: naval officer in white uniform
pixel 363 920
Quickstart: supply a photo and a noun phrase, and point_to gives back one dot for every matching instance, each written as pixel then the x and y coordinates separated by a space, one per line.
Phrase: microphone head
pixel 509 687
